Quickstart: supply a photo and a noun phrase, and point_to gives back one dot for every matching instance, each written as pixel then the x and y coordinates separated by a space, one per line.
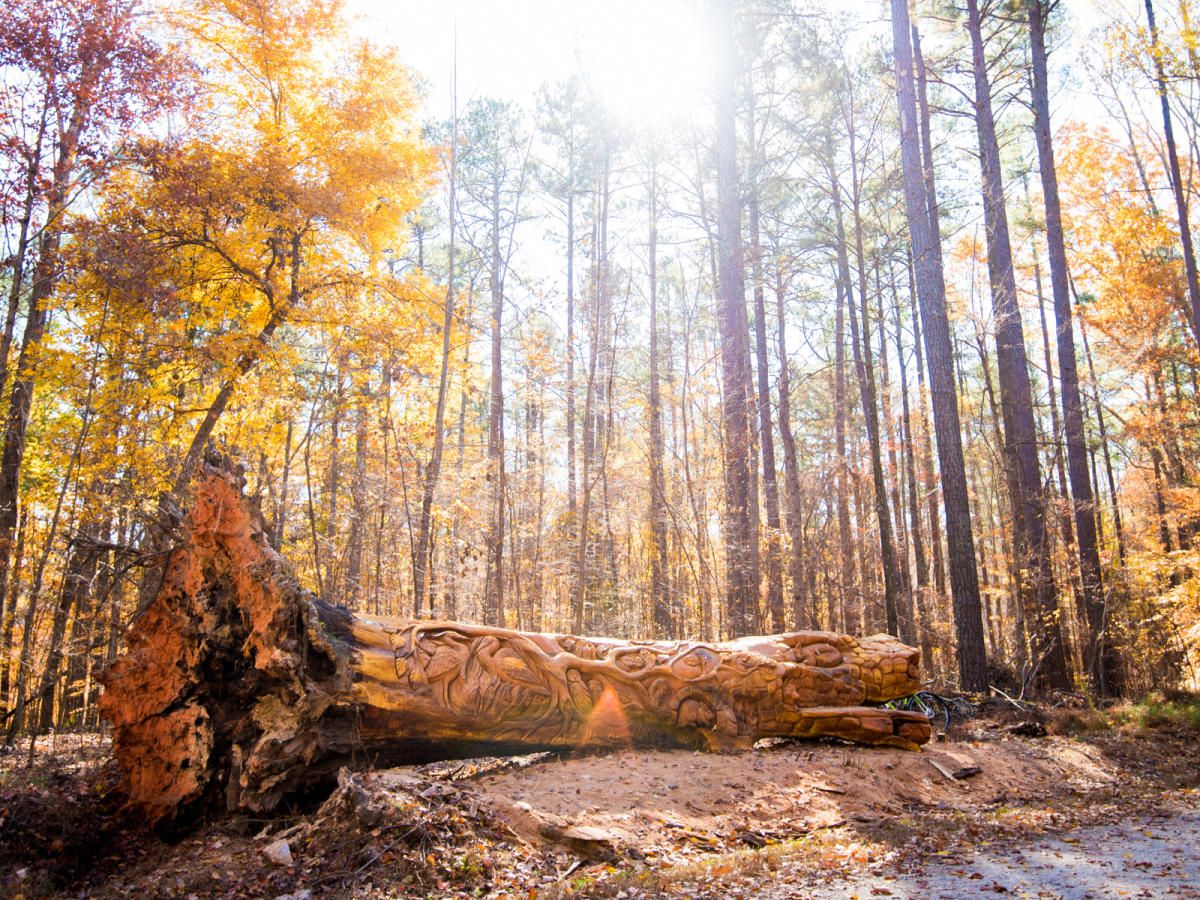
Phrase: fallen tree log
pixel 239 687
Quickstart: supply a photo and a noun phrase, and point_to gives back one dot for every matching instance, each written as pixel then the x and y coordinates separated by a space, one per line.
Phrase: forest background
pixel 762 316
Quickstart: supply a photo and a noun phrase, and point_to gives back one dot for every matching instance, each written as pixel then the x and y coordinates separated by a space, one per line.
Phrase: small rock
pixel 279 853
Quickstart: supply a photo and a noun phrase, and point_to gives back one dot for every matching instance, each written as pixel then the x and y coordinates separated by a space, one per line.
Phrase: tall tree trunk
pixel 356 540
pixel 1185 228
pixel 579 601
pixel 1057 462
pixel 660 587
pixel 572 487
pixel 1103 434
pixel 281 505
pixel 921 205
pixel 803 614
pixel 424 557
pixel 741 541
pixel 1031 541
pixel 10 615
pixel 860 341
pixel 70 659
pixel 1103 672
pixel 846 580
pixel 894 470
pixel 924 619
pixel 45 277
pixel 332 487
pixel 766 431
pixel 935 525
pixel 493 603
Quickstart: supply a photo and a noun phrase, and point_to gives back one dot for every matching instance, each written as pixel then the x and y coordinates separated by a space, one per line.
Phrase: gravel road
pixel 1152 856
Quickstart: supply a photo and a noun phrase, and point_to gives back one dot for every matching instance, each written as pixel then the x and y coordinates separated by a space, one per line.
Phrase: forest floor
pixel 1013 801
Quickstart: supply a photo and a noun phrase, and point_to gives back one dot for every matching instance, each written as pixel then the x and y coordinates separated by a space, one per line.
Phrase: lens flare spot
pixel 608 725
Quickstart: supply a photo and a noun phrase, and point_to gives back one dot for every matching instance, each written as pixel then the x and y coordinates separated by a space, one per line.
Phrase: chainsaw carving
pixel 239 687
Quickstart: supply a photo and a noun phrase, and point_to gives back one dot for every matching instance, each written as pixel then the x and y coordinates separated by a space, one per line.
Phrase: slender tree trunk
pixel 20 256
pixel 579 604
pixel 894 470
pixel 75 598
pixel 1102 669
pixel 660 587
pixel 332 488
pixel 741 541
pixel 358 515
pixel 281 507
pixel 860 340
pixel 1057 463
pixel 1185 228
pixel 766 430
pixel 45 277
pixel 803 614
pixel 846 581
pixel 924 619
pixel 493 606
pixel 572 488
pixel 433 469
pixel 1034 571
pixel 10 615
pixel 935 525
pixel 279 312
pixel 921 205
pixel 1112 483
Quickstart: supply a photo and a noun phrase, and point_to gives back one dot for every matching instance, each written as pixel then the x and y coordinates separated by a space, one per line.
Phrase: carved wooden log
pixel 239 687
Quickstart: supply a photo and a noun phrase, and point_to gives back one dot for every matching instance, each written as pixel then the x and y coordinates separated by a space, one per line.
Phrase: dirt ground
pixel 771 823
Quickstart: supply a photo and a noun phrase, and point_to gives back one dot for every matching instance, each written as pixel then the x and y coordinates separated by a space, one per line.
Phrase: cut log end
pixel 239 688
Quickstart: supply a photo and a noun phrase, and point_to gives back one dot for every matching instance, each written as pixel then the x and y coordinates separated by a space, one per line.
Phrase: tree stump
pixel 239 687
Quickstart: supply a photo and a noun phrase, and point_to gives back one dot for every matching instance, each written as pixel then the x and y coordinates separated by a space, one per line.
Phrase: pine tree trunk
pixel 572 484
pixel 1103 672
pixel 765 427
pixel 358 513
pixel 741 540
pixel 860 341
pixel 433 469
pixel 924 618
pixel 935 525
pixel 1176 177
pixel 660 587
pixel 1103 434
pixel 493 602
pixel 846 580
pixel 1031 541
pixel 803 613
pixel 921 205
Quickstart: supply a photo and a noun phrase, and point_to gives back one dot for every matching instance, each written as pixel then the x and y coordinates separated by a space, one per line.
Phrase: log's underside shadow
pixel 240 688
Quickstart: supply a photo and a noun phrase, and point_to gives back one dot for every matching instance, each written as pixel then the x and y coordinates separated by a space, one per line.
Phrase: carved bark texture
pixel 240 688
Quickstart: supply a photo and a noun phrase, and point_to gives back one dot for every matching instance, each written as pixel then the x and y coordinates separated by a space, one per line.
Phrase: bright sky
pixel 647 57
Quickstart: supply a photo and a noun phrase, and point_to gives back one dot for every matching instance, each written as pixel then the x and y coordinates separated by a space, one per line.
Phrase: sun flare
pixel 647 60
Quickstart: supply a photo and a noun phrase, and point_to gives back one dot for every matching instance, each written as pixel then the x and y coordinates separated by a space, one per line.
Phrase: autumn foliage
pixel 690 378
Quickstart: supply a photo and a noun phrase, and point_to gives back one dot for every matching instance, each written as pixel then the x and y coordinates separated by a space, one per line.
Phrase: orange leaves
pixel 1119 243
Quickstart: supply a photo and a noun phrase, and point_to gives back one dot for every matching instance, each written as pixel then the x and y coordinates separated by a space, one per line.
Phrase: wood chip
pixel 946 772
pixel 829 789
